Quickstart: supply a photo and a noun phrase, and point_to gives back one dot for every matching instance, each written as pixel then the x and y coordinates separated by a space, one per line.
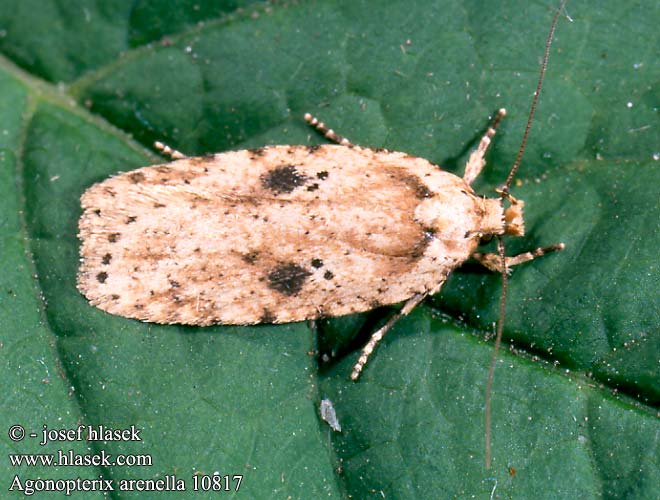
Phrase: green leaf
pixel 86 87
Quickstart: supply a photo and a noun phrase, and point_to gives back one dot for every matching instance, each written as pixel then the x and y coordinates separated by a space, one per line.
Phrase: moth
pixel 284 233
pixel 289 233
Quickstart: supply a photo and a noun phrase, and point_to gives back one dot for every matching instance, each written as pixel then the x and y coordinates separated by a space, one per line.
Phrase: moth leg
pixel 380 333
pixel 327 132
pixel 476 162
pixel 493 261
pixel 165 149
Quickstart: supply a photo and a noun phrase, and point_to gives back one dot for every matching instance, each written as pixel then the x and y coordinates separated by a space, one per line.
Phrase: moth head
pixel 514 223
pixel 499 219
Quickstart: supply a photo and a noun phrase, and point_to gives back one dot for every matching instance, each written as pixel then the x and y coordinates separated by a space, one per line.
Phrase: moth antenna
pixel 500 244
pixel 498 341
pixel 535 100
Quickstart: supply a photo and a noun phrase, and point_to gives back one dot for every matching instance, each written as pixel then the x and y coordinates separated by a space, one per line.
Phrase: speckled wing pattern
pixel 274 234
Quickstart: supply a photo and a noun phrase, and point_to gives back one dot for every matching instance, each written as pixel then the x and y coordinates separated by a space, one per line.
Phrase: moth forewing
pixel 279 234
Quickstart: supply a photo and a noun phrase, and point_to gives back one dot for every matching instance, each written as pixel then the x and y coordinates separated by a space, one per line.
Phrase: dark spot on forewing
pixel 417 186
pixel 101 277
pixel 328 275
pixel 423 192
pixel 201 160
pixel 257 151
pixel 283 179
pixel 136 177
pixel 267 316
pixel 288 279
pixel 316 263
pixel 113 237
pixel 412 182
pixel 250 258
pixel 323 175
pixel 106 259
pixel 420 246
